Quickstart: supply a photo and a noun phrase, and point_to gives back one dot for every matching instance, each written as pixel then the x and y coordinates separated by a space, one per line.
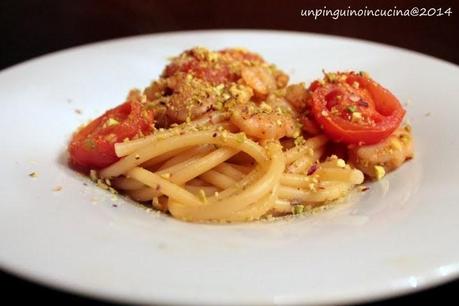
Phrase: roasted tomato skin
pixel 92 147
pixel 354 109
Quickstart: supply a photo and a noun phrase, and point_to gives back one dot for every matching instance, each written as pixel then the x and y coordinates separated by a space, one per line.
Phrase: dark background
pixel 32 28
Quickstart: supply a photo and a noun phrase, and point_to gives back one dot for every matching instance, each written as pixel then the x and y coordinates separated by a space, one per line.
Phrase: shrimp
pixel 260 79
pixel 262 122
pixel 298 96
pixel 280 104
pixel 388 154
pixel 189 98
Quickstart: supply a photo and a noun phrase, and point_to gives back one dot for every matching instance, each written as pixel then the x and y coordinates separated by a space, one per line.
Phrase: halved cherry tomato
pixel 353 109
pixel 92 147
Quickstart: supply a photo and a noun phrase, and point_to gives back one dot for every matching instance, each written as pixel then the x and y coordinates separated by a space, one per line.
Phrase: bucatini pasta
pixel 221 136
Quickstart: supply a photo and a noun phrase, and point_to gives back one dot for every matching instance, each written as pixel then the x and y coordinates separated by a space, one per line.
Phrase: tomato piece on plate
pixel 352 108
pixel 93 146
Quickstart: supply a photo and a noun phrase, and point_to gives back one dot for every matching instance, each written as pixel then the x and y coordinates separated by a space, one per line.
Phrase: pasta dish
pixel 222 136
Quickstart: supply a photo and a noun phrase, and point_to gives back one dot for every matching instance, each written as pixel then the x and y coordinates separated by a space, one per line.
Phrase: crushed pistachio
pixel 351 109
pixel 396 145
pixel 89 144
pixel 111 138
pixel 218 105
pixel 112 190
pixel 404 139
pixel 112 122
pixel 93 175
pixel 356 116
pixel 312 186
pixel 213 56
pixel 241 138
pixel 330 76
pixel 226 96
pixel 224 135
pixel 219 88
pixel 379 172
pixel 100 183
pixel 266 107
pixel 299 141
pixel 166 175
pixel 297 209
pixel 33 174
pixel 340 163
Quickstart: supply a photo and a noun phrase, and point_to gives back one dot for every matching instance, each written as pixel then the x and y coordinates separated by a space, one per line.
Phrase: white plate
pixel 398 237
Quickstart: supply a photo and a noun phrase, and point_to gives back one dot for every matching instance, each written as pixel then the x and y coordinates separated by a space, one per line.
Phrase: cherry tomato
pixel 353 109
pixel 92 147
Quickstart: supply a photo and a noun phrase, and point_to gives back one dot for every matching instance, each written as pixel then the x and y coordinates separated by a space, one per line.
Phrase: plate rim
pixel 226 31
pixel 433 280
